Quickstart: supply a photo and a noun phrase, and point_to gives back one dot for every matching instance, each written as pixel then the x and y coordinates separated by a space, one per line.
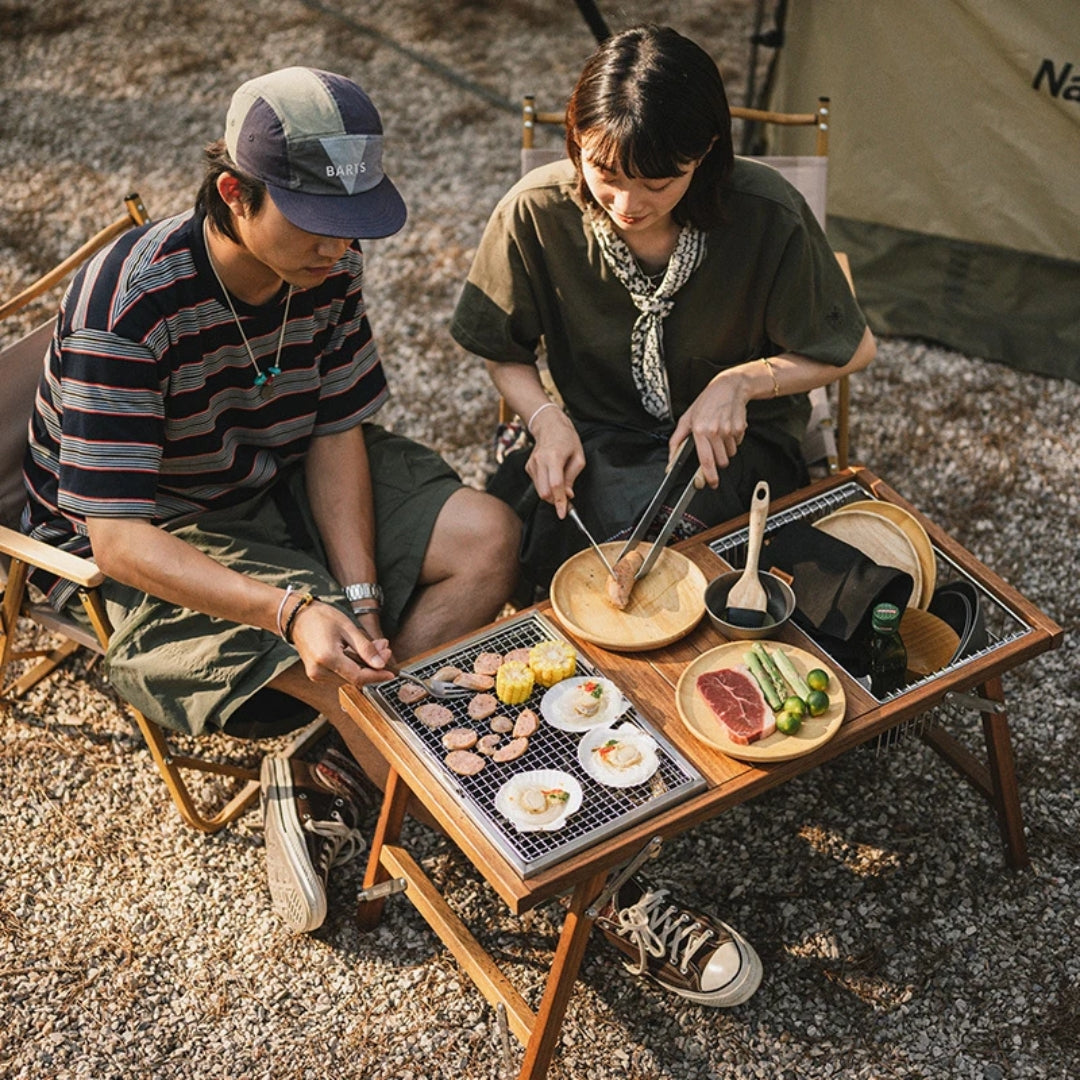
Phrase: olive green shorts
pixel 189 672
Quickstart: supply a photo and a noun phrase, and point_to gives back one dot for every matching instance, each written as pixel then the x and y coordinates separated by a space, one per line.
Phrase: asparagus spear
pixel 771 670
pixel 791 676
pixel 763 680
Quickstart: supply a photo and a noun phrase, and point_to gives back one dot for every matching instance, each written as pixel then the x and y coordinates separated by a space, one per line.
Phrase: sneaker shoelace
pixel 656 930
pixel 343 844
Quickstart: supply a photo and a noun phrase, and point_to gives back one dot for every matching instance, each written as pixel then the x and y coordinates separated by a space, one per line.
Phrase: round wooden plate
pixel 931 642
pixel 879 539
pixel 914 532
pixel 666 604
pixel 701 721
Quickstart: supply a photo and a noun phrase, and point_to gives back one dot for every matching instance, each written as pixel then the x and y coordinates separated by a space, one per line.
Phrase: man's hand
pixel 325 637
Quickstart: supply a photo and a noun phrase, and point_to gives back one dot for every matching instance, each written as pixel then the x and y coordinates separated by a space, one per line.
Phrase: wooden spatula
pixel 747 600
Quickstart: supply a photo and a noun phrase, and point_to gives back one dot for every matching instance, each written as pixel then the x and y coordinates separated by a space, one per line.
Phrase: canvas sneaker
pixel 310 825
pixel 684 951
pixel 340 773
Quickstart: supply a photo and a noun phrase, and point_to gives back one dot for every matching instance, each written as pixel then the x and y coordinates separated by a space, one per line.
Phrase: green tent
pixel 954 165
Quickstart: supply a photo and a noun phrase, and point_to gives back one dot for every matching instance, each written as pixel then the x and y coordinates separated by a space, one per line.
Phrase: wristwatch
pixel 364 590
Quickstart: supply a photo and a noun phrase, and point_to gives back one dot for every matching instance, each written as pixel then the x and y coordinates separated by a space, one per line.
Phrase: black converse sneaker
pixel 309 827
pixel 685 951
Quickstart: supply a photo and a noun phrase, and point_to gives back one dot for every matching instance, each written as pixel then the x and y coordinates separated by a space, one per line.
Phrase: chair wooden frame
pixel 24 554
pixel 819 119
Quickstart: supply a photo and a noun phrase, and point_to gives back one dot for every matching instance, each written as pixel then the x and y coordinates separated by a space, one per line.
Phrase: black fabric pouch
pixel 836 588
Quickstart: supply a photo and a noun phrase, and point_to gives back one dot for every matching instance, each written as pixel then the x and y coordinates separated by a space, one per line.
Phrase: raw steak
pixel 738 703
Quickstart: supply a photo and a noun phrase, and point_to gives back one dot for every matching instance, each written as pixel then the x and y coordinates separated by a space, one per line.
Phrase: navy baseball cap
pixel 316 141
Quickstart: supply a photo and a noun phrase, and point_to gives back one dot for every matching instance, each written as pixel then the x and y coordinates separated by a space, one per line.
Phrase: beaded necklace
pixel 262 378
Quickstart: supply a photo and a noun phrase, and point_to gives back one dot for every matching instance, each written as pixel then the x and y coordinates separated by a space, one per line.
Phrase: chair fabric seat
pixel 45 616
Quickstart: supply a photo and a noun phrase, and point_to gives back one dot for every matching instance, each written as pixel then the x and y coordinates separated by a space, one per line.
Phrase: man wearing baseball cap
pixel 203 431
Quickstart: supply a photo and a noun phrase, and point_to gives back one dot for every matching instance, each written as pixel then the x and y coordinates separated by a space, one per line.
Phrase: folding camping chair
pixel 20 369
pixel 825 446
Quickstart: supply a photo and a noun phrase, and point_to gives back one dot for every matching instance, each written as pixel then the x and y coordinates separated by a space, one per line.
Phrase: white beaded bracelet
pixel 537 412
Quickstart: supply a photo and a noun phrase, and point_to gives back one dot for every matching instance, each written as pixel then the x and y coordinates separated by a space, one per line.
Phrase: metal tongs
pixel 667 485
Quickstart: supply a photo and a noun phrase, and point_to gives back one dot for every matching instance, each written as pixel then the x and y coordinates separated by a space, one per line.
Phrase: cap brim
pixel 367 215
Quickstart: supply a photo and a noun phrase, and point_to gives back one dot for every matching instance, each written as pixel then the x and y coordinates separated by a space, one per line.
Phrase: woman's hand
pixel 716 420
pixel 556 460
pixel 325 637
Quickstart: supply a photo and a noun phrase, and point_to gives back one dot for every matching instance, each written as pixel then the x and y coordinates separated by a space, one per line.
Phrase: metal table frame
pixel 975 684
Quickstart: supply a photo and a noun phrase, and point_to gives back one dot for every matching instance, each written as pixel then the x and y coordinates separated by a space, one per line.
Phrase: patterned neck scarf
pixel 654 302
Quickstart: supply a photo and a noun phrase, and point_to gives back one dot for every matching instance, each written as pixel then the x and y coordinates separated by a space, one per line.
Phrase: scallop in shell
pixel 584 702
pixel 622 756
pixel 540 800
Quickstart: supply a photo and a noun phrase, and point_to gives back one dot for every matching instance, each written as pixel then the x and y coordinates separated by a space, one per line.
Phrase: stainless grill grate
pixel 1002 624
pixel 604 810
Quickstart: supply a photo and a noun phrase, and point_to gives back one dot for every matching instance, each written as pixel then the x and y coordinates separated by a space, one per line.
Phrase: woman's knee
pixel 476 530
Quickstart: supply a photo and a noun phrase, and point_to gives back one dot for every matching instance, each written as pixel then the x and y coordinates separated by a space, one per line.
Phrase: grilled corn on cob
pixel 513 682
pixel 552 661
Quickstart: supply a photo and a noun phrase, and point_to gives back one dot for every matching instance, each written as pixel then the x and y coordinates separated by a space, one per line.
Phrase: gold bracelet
pixel 302 603
pixel 775 385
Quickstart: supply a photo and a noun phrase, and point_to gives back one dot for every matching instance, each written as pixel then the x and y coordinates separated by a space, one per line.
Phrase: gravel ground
pixel 895 943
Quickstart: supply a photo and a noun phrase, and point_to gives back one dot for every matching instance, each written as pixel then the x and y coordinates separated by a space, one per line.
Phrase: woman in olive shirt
pixel 677 292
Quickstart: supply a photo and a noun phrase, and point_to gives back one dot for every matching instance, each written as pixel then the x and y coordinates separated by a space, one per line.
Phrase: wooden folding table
pixel 973 683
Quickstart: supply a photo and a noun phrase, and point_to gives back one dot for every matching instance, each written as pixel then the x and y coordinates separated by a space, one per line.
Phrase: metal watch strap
pixel 364 590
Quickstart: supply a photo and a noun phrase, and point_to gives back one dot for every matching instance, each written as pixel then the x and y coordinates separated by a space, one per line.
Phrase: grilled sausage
pixel 511 751
pixel 482 706
pixel 472 681
pixel 435 716
pixel 464 762
pixel 460 738
pixel 488 744
pixel 526 724
pixel 621 585
pixel 409 693
pixel 487 663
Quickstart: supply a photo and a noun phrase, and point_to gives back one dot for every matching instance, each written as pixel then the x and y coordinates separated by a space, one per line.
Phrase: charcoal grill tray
pixel 604 810
pixel 1003 625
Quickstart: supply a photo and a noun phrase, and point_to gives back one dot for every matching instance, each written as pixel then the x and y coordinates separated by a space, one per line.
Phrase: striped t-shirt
pixel 147 406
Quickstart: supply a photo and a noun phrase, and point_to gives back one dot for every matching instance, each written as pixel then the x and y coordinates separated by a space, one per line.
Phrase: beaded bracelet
pixel 302 603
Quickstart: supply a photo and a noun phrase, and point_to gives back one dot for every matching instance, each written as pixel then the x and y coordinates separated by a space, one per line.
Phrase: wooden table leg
pixel 560 985
pixel 387 831
pixel 1005 789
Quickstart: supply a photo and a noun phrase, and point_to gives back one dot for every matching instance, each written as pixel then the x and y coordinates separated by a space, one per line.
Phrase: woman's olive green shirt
pixel 769 283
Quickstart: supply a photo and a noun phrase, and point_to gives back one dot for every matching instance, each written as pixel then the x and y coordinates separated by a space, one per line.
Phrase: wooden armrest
pixel 83 572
